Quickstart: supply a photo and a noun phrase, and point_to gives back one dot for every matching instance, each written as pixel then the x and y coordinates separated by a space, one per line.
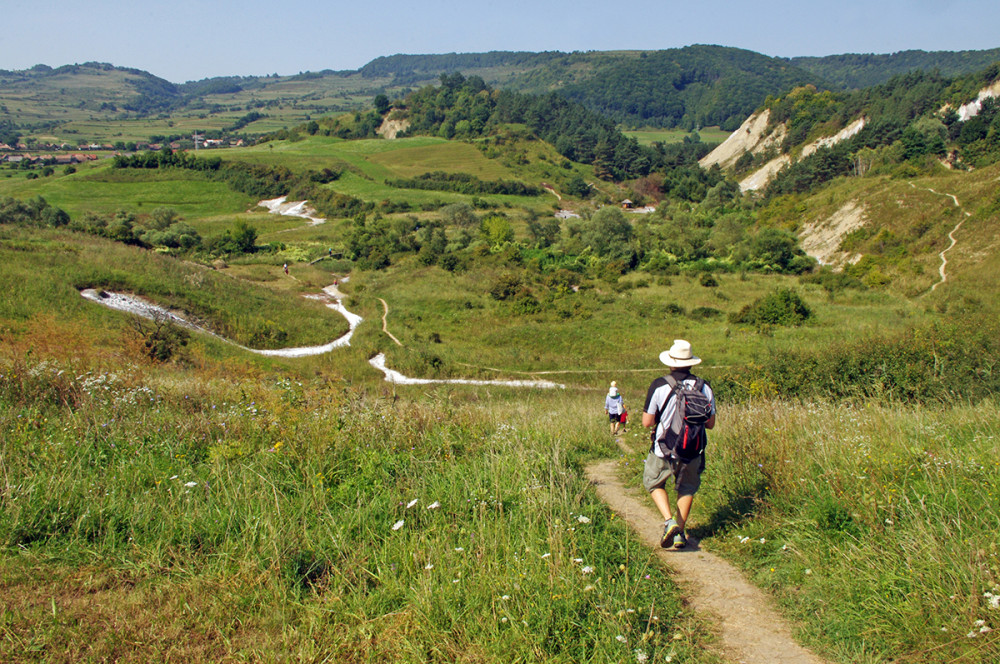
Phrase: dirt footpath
pixel 751 631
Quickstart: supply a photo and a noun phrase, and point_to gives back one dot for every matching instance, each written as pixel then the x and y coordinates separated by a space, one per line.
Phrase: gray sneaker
pixel 681 541
pixel 670 532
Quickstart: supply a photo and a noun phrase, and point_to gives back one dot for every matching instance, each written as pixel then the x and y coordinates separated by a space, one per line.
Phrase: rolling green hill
pixel 686 87
pixel 167 494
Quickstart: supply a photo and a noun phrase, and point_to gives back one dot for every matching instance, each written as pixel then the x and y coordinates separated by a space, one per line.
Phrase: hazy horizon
pixel 188 40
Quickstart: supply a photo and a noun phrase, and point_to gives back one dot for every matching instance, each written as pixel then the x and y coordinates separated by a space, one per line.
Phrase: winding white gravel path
pixel 299 209
pixel 393 376
pixel 136 305
pixel 332 297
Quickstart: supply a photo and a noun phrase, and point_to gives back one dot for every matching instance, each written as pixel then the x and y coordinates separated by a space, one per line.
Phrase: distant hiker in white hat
pixel 680 408
pixel 614 406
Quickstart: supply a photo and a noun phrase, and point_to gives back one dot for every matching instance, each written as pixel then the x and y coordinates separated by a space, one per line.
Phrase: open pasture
pixel 649 136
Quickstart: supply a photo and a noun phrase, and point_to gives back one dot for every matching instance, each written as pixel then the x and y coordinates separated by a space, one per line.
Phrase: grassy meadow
pixel 223 505
pixel 648 136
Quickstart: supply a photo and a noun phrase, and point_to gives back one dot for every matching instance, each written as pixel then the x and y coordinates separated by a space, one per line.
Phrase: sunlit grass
pixel 875 526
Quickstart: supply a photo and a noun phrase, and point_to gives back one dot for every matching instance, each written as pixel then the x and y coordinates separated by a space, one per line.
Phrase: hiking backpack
pixel 685 434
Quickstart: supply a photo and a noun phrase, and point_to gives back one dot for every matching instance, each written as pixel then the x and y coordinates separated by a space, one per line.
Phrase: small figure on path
pixel 286 268
pixel 680 408
pixel 614 406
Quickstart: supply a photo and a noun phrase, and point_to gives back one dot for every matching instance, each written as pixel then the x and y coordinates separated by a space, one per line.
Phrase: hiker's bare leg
pixel 662 502
pixel 683 509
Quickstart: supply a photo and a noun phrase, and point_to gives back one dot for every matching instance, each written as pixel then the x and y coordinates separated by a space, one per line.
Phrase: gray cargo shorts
pixel 687 476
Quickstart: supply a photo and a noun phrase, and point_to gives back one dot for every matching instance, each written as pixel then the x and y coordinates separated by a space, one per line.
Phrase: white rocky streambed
pixel 140 307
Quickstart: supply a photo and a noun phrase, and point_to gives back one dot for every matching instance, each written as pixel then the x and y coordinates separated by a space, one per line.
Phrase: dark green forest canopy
pixel 862 70
pixel 690 87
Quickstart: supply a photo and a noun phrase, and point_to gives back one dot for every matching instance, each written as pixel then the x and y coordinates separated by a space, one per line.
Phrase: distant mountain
pixel 698 85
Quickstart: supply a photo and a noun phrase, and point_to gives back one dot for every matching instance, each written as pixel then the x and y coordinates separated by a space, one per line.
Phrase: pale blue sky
pixel 182 40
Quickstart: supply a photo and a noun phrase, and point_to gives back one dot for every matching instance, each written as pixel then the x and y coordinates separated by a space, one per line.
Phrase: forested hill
pixel 697 85
pixel 688 87
pixel 682 87
pixel 862 70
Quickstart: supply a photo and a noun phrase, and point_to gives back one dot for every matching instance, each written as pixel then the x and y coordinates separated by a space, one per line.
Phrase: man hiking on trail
pixel 680 408
pixel 614 406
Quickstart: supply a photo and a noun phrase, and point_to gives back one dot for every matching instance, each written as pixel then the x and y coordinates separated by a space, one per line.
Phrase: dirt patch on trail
pixel 751 631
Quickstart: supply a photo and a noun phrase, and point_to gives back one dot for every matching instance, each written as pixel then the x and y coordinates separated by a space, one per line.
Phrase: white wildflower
pixel 979 623
pixel 582 519
pixel 620 638
pixel 808 572
pixel 972 635
pixel 429 566
pixel 412 503
pixel 546 555
pixel 398 524
pixel 985 629
pixel 190 484
pixel 459 549
pixel 505 597
pixel 640 656
pixel 744 540
pixel 578 560
pixel 587 569
pixel 504 619
pixel 174 477
pixel 762 540
pixel 434 505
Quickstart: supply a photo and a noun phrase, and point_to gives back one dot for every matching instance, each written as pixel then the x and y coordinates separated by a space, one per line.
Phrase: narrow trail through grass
pixel 751 631
pixel 385 325
pixel 951 236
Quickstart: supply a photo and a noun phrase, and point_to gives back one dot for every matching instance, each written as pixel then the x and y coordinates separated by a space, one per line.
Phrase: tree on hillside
pixel 609 234
pixel 496 230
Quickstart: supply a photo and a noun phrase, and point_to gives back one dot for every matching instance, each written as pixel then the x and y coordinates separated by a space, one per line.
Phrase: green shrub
pixel 705 313
pixel 781 307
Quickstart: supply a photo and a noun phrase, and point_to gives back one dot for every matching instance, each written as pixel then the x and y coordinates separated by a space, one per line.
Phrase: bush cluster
pixel 938 363
pixel 780 307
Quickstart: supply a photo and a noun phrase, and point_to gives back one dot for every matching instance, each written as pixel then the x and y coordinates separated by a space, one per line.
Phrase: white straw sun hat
pixel 679 355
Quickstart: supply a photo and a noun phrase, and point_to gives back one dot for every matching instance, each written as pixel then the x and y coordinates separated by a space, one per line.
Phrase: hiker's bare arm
pixel 648 419
pixel 711 422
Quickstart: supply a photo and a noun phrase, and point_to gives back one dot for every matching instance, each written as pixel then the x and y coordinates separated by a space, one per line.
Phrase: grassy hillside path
pixel 951 235
pixel 385 326
pixel 751 631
